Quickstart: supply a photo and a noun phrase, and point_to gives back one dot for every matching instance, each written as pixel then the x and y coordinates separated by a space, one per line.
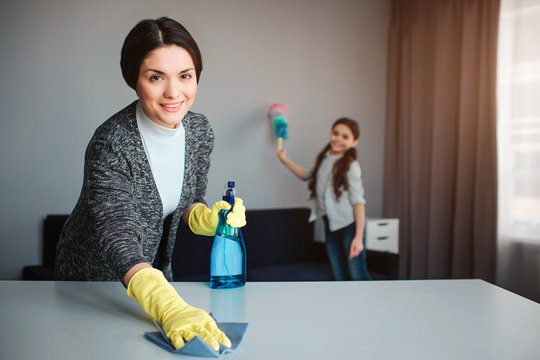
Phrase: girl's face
pixel 167 85
pixel 341 139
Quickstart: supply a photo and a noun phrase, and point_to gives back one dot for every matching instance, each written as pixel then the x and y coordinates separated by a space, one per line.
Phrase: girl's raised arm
pixel 295 168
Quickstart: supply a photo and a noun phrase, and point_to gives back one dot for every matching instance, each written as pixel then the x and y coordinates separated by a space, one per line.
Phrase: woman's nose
pixel 172 90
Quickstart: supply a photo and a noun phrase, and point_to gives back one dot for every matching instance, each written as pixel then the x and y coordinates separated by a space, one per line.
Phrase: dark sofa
pixel 279 245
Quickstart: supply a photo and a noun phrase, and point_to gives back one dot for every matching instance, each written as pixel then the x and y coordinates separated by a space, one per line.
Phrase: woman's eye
pixel 155 77
pixel 185 76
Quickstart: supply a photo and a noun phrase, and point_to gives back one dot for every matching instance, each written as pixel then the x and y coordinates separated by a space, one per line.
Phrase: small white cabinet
pixel 382 234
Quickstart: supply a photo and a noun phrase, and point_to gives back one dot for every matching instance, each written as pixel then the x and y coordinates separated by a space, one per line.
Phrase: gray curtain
pixel 440 162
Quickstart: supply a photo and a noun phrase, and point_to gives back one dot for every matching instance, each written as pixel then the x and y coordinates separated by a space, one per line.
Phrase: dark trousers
pixel 338 245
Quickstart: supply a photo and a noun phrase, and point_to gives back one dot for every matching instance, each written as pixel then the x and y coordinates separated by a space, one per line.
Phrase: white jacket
pixel 340 211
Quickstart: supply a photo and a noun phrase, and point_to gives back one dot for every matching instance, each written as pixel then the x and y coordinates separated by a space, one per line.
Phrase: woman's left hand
pixel 357 245
pixel 203 221
pixel 237 216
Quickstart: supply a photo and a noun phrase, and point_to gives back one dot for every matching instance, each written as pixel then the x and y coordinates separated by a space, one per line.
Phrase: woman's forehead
pixel 172 58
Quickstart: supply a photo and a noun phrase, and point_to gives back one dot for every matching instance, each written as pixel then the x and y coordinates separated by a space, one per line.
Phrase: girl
pixel 336 187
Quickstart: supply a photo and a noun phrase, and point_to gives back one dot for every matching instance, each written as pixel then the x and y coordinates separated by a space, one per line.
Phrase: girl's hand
pixel 296 169
pixel 357 245
pixel 282 154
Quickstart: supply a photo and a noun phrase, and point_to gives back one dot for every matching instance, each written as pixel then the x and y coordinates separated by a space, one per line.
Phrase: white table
pixel 431 319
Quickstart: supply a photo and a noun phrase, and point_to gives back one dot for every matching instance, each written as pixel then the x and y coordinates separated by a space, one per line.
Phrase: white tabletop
pixel 430 319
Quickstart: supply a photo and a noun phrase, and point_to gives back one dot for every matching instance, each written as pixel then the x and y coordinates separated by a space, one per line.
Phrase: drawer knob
pixel 382 237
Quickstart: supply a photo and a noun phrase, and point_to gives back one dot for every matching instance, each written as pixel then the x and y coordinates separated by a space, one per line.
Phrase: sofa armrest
pixel 38 272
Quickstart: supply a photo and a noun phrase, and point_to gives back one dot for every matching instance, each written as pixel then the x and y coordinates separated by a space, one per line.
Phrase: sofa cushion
pixel 304 271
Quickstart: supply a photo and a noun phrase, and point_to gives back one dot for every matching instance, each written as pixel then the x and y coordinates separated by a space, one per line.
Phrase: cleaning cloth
pixel 197 346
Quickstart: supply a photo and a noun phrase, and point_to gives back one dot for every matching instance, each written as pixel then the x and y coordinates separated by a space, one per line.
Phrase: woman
pixel 146 168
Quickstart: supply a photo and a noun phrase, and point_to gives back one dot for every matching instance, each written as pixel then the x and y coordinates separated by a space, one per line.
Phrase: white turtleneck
pixel 165 149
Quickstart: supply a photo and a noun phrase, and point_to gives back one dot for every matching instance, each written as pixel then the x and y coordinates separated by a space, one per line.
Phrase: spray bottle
pixel 228 256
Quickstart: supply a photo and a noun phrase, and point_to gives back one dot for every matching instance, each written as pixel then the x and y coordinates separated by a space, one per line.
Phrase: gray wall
pixel 61 79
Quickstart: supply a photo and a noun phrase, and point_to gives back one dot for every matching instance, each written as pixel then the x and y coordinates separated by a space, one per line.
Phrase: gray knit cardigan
pixel 118 219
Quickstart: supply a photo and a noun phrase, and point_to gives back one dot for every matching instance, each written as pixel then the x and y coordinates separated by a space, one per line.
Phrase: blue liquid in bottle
pixel 228 257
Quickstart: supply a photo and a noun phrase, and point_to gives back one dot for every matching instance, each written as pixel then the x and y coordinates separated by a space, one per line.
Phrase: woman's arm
pixel 201 142
pixel 109 194
pixel 185 216
pixel 134 270
pixel 296 169
pixel 357 244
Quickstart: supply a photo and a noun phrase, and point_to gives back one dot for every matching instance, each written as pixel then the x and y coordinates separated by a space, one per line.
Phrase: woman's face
pixel 167 85
pixel 341 139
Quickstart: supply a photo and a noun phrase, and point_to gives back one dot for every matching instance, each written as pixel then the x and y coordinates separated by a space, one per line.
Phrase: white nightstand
pixel 382 234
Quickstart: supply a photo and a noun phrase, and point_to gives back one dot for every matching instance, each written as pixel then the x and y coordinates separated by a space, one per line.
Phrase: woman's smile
pixel 172 107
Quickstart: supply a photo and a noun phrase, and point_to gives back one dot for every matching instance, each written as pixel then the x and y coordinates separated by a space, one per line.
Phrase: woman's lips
pixel 172 107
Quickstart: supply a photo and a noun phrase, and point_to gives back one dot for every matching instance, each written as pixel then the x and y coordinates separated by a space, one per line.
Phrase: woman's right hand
pixel 180 321
pixel 183 322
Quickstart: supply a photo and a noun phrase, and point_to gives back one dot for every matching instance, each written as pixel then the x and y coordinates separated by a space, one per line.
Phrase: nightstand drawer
pixel 382 234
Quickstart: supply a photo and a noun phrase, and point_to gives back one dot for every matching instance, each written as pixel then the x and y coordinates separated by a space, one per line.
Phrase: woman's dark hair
pixel 149 35
pixel 341 166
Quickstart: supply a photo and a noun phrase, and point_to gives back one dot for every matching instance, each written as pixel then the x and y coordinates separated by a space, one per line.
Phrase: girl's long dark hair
pixel 341 166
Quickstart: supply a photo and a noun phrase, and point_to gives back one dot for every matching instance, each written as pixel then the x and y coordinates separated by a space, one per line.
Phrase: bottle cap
pixel 230 184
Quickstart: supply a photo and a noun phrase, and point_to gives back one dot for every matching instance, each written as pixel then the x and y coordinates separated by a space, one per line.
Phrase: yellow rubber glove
pixel 180 321
pixel 204 221
pixel 237 216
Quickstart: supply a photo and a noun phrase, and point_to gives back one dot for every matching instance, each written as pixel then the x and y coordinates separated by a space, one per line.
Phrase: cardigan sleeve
pixel 109 182
pixel 205 142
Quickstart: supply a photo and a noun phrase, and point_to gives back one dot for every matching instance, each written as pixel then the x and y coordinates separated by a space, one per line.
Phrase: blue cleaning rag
pixel 197 346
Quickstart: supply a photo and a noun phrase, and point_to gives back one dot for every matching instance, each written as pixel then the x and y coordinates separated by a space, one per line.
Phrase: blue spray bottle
pixel 228 256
